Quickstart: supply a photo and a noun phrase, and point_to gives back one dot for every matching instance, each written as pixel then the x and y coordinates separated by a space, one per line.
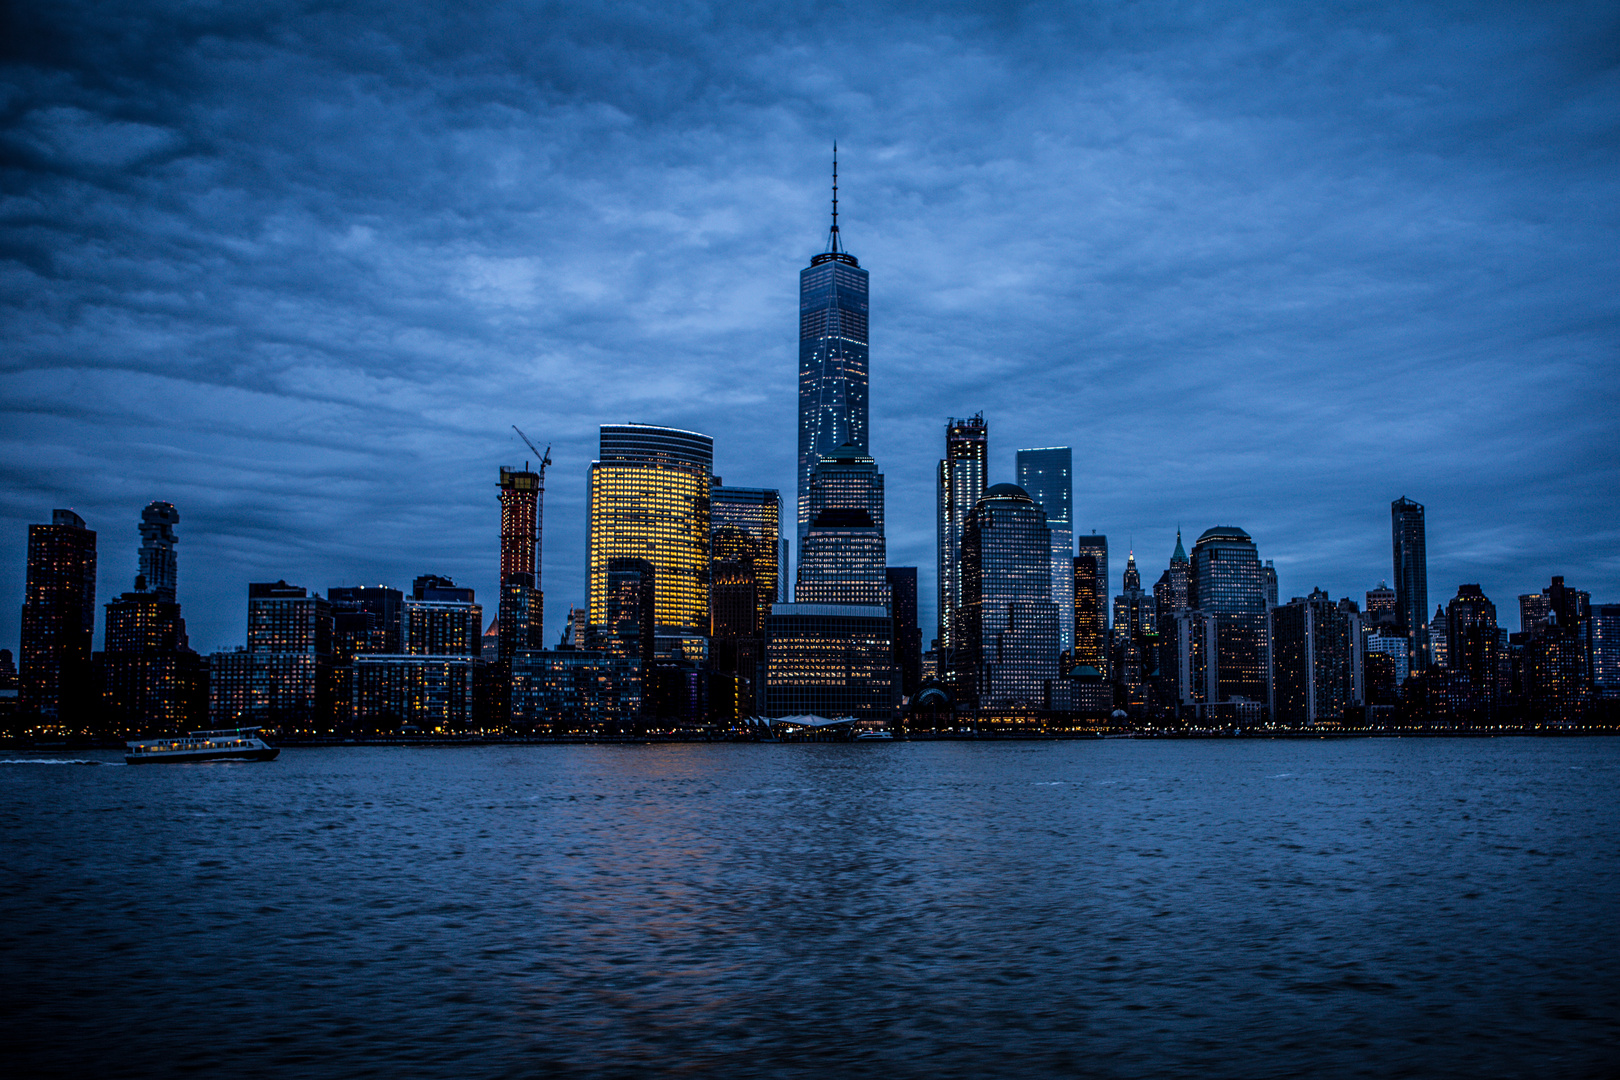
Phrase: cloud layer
pixel 297 267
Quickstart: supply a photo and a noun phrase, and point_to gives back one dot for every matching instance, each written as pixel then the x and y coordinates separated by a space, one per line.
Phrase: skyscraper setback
pixel 833 358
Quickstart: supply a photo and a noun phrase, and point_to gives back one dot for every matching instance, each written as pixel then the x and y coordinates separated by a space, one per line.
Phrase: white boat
pixel 234 744
pixel 873 734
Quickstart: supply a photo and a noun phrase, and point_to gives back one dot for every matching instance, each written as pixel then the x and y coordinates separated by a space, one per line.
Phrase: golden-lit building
pixel 648 498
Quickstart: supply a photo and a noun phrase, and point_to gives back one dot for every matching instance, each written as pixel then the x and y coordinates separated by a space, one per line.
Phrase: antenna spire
pixel 832 238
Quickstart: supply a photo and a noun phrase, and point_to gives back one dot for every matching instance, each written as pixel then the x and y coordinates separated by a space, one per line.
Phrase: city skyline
pixel 320 377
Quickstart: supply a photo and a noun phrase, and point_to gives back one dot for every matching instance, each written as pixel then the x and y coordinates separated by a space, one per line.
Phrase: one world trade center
pixel 832 358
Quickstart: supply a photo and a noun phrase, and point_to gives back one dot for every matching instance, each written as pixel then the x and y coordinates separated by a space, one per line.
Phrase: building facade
pixel 58 624
pixel 1007 625
pixel 1047 473
pixel 648 498
pixel 1227 583
pixel 756 513
pixel 830 660
pixel 1411 580
pixel 1313 660
pixel 520 615
pixel 963 473
pixel 902 581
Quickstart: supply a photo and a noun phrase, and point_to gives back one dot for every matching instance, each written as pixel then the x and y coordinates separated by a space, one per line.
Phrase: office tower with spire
pixel 58 622
pixel 1007 624
pixel 520 614
pixel 648 498
pixel 1227 583
pixel 151 680
pixel 1171 591
pixel 833 358
pixel 1133 638
pixel 1047 474
pixel 962 480
pixel 1411 580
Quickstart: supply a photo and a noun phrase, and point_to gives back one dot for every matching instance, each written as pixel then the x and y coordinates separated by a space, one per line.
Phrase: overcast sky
pixel 296 268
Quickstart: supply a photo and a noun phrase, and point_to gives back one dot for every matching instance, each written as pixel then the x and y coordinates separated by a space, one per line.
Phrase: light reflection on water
pixel 1373 907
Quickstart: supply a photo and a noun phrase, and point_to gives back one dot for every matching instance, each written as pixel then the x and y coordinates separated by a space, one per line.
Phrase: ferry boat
pixel 233 744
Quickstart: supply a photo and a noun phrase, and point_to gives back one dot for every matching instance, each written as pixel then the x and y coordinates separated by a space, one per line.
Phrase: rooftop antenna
pixel 832 240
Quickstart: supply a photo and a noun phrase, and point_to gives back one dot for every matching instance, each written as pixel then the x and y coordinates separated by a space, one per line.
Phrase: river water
pixel 1378 907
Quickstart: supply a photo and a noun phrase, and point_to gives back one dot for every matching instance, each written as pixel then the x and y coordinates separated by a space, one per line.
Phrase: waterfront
pixel 1123 907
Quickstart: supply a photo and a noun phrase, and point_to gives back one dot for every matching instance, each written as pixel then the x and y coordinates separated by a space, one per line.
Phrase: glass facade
pixel 844 553
pixel 1227 583
pixel 757 514
pixel 962 478
pixel 1411 580
pixel 1312 660
pixel 1096 546
pixel 833 359
pixel 1008 636
pixel 1047 474
pixel 648 498
pixel 830 660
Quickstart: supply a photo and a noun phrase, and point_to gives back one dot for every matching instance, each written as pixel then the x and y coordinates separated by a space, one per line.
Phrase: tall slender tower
pixel 159 571
pixel 1411 580
pixel 1046 474
pixel 58 619
pixel 833 380
pixel 520 616
pixel 961 484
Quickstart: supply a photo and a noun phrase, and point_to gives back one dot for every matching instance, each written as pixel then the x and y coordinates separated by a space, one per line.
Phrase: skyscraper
pixel 1471 643
pixel 1227 583
pixel 1096 545
pixel 648 498
pixel 1381 604
pixel 283 676
pixel 58 620
pixel 1313 660
pixel 833 357
pixel 1008 646
pixel 159 570
pixel 757 514
pixel 1411 580
pixel 150 678
pixel 1133 640
pixel 1172 591
pixel 1090 633
pixel 1046 473
pixel 520 614
pixel 962 473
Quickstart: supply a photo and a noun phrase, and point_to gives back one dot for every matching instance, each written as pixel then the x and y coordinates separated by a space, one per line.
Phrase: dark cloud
pixel 297 267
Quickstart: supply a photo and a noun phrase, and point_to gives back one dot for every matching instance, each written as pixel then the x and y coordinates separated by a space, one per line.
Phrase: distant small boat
pixel 881 734
pixel 234 744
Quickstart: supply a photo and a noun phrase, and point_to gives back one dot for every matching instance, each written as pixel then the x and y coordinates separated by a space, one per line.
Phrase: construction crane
pixel 539 498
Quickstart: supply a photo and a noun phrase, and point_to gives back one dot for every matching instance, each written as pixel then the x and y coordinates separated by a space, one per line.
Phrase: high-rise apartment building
pixel 833 358
pixel 1227 583
pixel 159 570
pixel 1559 677
pixel 1606 649
pixel 58 622
pixel 648 498
pixel 365 619
pixel 1472 643
pixel 441 619
pixel 284 678
pixel 1007 625
pixel 1090 622
pixel 1411 580
pixel 756 513
pixel 962 479
pixel 1313 659
pixel 520 614
pixel 1535 609
pixel 1047 474
pixel 150 678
